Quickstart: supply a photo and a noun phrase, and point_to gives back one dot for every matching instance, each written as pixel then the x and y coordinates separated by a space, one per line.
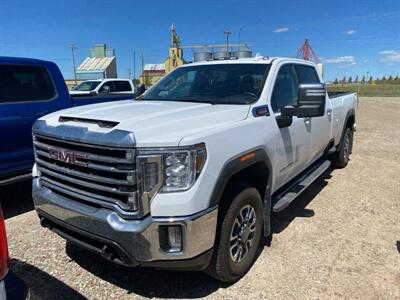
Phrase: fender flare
pixel 350 113
pixel 235 165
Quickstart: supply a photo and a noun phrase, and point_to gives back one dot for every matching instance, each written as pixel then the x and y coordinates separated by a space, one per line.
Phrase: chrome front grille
pixel 101 176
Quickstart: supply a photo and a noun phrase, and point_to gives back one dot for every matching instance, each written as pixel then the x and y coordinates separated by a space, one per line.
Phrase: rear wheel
pixel 341 158
pixel 238 236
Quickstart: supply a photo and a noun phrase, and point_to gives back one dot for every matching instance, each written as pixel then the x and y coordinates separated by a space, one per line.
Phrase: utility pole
pixel 73 47
pixel 144 79
pixel 134 65
pixel 129 73
pixel 227 32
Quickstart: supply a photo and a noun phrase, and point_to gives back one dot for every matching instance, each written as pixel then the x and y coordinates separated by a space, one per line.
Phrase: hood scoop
pixel 100 123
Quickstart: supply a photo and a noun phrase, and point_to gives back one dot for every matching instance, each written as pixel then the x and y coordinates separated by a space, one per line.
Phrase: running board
pixel 296 188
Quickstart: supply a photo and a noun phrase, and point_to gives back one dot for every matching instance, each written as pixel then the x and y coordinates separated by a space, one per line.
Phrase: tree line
pixel 384 80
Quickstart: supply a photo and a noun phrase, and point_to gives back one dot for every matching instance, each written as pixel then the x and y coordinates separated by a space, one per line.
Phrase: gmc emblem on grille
pixel 65 156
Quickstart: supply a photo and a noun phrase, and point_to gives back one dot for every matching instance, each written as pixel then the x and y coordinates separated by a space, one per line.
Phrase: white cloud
pixel 349 65
pixel 390 56
pixel 350 32
pixel 280 30
pixel 339 59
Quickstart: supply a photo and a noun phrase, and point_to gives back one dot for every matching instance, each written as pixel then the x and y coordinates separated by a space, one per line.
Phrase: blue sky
pixel 351 37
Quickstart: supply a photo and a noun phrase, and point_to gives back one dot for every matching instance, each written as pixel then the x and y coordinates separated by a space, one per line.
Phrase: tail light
pixel 3 247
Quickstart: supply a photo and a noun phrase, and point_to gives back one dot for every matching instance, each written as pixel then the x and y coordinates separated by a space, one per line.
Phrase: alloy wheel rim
pixel 242 233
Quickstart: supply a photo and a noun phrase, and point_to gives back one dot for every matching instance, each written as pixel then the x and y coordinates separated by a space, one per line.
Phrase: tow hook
pixel 107 252
pixel 45 223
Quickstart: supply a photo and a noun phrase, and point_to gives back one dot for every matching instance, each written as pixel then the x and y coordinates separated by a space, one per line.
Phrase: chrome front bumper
pixel 139 240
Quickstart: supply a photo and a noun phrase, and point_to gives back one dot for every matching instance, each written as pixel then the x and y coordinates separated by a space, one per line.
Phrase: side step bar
pixel 288 195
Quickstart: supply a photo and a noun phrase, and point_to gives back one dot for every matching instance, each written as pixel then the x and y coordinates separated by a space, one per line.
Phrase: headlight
pixel 170 169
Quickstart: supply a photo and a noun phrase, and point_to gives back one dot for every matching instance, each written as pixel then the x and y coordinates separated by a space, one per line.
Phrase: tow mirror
pixel 310 102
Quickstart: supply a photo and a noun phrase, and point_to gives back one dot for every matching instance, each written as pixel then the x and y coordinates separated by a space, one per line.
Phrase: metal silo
pixel 221 54
pixel 243 52
pixel 201 55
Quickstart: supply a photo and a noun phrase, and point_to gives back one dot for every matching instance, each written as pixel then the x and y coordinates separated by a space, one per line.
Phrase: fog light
pixel 171 238
pixel 175 238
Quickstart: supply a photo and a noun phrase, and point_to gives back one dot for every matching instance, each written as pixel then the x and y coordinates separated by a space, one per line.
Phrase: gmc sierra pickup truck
pixel 103 86
pixel 30 89
pixel 188 175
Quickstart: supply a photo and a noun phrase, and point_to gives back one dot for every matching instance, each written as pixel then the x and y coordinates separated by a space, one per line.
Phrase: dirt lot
pixel 340 239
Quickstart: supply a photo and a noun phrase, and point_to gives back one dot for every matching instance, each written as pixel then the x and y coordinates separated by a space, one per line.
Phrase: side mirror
pixel 105 89
pixel 284 121
pixel 310 102
pixel 93 93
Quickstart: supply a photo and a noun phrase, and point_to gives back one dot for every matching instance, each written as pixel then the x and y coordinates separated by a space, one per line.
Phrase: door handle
pixel 307 120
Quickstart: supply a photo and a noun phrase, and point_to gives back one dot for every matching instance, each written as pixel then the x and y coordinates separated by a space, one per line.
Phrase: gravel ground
pixel 340 239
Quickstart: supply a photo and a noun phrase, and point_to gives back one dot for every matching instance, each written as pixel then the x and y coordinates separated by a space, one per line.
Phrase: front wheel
pixel 238 237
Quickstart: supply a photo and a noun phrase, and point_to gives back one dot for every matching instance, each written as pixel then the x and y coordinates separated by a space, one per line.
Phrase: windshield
pixel 86 86
pixel 216 84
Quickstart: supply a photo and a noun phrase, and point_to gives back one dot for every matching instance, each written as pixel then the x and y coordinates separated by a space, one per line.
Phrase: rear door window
pixel 122 86
pixel 306 74
pixel 25 83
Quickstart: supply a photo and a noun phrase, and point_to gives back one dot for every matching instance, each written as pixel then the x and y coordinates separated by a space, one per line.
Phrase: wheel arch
pixel 256 172
pixel 349 122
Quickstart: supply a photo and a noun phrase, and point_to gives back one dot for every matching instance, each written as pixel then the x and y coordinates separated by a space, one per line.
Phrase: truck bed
pixel 333 95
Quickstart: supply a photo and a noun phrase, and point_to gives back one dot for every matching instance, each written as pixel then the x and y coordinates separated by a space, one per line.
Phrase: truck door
pixel 292 144
pixel 26 93
pixel 320 126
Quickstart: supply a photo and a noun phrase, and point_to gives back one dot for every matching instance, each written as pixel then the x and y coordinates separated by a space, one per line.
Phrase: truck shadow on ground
pixel 297 209
pixel 146 282
pixel 41 284
pixel 16 198
pixel 179 284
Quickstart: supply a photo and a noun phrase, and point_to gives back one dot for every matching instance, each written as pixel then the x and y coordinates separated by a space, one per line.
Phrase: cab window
pixel 110 84
pixel 285 89
pixel 307 74
pixel 20 83
pixel 122 86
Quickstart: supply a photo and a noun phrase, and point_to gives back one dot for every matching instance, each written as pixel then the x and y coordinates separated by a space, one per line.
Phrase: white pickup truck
pixel 187 175
pixel 103 86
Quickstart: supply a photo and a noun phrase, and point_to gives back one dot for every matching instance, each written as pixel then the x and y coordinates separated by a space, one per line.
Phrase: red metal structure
pixel 306 52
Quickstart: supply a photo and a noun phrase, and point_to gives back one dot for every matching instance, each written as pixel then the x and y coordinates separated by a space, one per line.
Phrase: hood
pixel 154 123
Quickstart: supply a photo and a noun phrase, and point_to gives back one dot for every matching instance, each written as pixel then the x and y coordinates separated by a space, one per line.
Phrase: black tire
pixel 223 267
pixel 341 158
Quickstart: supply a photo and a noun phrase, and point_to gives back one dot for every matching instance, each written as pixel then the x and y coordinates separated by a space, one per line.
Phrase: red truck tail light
pixel 3 247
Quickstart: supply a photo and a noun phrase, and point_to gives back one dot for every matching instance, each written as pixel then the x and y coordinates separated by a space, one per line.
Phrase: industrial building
pixel 101 63
pixel 154 72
